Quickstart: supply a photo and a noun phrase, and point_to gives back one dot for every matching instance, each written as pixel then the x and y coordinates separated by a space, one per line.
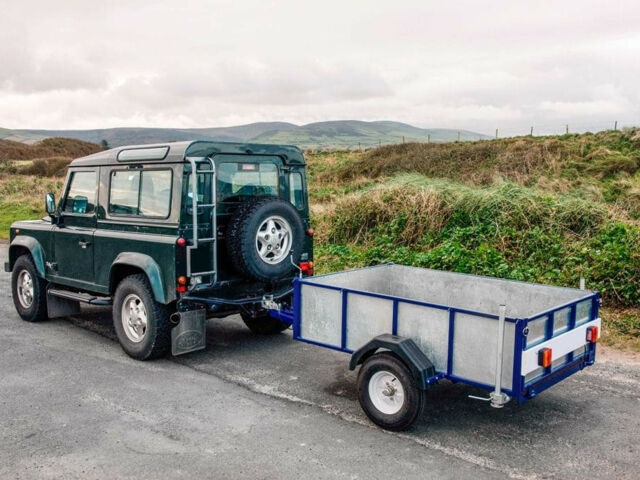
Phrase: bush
pixel 47 167
pixel 409 212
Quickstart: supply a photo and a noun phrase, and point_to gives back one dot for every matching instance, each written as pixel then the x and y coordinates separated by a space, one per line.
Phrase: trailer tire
pixel 388 392
pixel 29 291
pixel 248 229
pixel 263 323
pixel 134 307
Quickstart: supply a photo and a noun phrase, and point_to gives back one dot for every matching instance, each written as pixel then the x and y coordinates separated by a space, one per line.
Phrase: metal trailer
pixel 411 327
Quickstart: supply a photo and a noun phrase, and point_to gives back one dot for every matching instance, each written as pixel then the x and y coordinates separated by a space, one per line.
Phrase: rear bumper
pixel 556 376
pixel 234 296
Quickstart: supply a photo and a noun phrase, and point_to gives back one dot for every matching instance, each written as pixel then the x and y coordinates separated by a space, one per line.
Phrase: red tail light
pixel 544 357
pixel 182 284
pixel 181 242
pixel 310 232
pixel 593 333
pixel 307 268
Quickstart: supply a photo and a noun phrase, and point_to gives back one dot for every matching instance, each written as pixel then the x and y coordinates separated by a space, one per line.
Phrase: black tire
pixel 36 311
pixel 414 398
pixel 156 339
pixel 241 238
pixel 263 324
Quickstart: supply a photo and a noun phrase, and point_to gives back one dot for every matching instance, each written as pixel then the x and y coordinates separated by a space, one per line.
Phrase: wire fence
pixel 443 135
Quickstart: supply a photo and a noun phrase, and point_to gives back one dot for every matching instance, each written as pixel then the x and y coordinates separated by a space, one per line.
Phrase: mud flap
pixel 189 334
pixel 61 307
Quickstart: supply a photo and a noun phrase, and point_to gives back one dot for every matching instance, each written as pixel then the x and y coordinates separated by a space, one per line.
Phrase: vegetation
pixel 550 210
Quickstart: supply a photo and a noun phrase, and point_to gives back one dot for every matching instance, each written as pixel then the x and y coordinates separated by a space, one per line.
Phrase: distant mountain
pixel 355 133
pixel 333 134
pixel 19 136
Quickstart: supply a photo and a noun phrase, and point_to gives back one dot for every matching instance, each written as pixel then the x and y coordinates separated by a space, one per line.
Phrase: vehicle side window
pixel 295 190
pixel 81 196
pixel 146 193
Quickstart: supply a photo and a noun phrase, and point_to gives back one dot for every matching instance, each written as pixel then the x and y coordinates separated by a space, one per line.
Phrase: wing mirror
pixel 50 204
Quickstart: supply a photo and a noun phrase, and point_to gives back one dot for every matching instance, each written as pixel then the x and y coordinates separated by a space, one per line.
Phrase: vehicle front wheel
pixel 388 393
pixel 141 323
pixel 263 324
pixel 29 291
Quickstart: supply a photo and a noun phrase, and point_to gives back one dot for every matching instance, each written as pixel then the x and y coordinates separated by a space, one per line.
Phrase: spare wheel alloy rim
pixel 24 286
pixel 386 392
pixel 273 240
pixel 134 318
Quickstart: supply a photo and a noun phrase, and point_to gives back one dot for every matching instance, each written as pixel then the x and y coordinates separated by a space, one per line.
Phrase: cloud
pixel 204 63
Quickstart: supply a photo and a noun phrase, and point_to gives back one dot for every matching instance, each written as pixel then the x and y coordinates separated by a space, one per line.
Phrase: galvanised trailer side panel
pixel 343 311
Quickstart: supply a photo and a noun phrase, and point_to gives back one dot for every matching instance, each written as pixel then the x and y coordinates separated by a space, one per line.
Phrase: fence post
pixel 567 131
pixel 615 125
pixel 531 132
pixel 402 138
pixel 429 138
pixel 458 136
pixel 496 133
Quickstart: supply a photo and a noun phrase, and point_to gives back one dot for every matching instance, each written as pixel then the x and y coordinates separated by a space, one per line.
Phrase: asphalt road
pixel 73 405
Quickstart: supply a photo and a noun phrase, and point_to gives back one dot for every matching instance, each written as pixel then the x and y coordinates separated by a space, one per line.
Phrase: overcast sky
pixel 504 64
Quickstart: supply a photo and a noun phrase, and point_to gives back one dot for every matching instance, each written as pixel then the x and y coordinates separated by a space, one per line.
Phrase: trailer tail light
pixel 544 357
pixel 593 333
pixel 182 284
pixel 310 232
pixel 181 242
pixel 307 268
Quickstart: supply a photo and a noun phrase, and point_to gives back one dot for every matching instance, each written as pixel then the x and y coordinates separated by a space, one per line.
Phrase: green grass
pixel 22 198
pixel 11 212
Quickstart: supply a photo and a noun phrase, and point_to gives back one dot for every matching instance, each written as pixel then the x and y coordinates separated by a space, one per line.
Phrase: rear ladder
pixel 196 241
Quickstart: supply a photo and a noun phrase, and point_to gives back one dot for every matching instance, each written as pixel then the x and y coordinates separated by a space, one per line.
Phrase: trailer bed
pixel 453 318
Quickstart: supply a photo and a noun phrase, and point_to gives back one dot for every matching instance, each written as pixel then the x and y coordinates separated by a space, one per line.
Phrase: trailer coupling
pixel 276 310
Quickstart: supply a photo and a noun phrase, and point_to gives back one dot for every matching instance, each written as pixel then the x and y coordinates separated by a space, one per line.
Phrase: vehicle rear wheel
pixel 262 236
pixel 388 393
pixel 263 323
pixel 29 291
pixel 141 324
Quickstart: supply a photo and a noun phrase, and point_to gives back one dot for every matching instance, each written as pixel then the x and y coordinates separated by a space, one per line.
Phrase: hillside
pixel 348 134
pixel 47 148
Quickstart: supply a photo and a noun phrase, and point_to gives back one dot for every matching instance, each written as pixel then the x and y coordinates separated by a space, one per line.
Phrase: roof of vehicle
pixel 177 151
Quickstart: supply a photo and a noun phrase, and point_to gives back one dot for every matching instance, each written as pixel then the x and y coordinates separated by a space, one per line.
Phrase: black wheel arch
pixel 406 349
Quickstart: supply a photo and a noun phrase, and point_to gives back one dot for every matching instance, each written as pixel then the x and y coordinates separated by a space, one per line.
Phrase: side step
pixel 80 297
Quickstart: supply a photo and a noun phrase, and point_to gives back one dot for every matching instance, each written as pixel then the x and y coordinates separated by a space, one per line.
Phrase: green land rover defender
pixel 169 235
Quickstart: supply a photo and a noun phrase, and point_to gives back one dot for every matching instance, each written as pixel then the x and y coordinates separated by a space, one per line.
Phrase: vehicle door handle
pixel 84 244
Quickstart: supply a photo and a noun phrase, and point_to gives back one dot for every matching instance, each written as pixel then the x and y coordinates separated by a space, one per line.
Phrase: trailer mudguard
pixel 405 348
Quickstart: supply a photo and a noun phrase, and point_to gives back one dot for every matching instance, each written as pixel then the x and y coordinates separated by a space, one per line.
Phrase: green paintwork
pixel 149 266
pixel 29 243
pixel 92 251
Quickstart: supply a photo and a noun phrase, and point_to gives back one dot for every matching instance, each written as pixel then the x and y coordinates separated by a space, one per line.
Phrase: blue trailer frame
pixel 521 390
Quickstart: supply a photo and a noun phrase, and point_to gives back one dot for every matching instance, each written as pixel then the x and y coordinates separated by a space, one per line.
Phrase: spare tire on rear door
pixel 262 236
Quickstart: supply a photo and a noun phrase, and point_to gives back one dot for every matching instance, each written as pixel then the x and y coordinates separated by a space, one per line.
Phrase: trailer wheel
pixel 388 392
pixel 141 324
pixel 263 323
